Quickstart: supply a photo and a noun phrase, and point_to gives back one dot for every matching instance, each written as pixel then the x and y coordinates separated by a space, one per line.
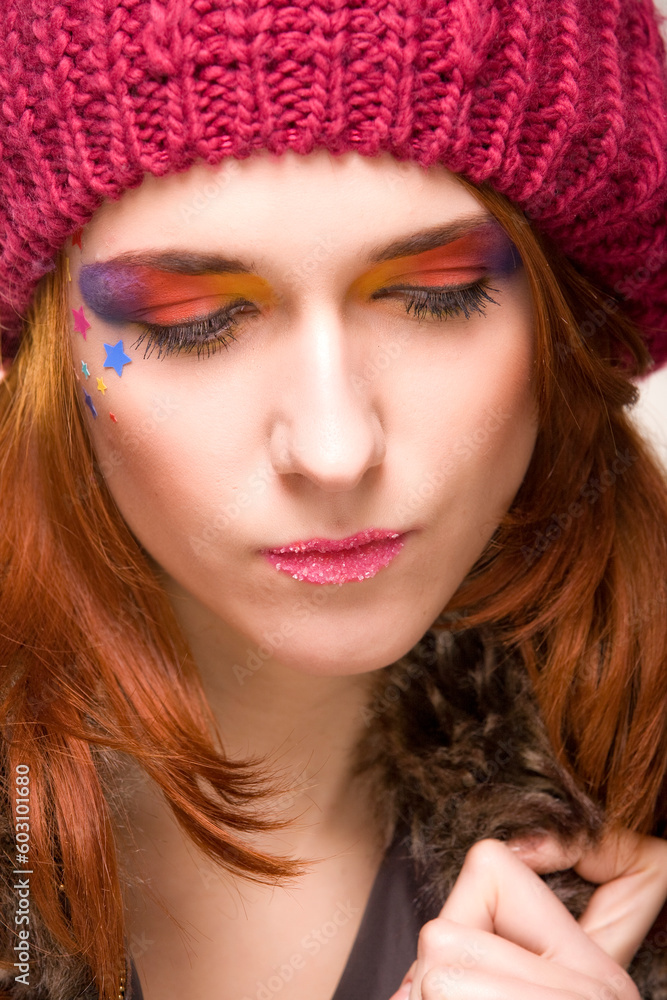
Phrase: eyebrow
pixel 431 239
pixel 186 262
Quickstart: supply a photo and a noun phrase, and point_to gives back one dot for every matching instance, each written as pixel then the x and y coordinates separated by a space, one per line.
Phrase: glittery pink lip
pixel 324 560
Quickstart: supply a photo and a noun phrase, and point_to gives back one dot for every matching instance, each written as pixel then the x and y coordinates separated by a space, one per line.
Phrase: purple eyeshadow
pixel 112 292
pixel 504 259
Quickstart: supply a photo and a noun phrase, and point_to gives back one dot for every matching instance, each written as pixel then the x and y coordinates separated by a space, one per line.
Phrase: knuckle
pixel 486 853
pixel 618 986
pixel 437 936
pixel 625 986
pixel 433 984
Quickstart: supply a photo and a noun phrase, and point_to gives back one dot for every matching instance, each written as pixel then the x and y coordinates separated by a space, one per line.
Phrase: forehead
pixel 298 209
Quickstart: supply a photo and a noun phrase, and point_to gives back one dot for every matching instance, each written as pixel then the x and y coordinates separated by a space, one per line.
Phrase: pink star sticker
pixel 81 324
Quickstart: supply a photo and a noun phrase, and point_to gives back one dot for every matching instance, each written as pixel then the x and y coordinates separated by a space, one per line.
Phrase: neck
pixel 305 726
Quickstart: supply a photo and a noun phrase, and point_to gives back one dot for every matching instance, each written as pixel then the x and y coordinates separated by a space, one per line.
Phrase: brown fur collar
pixel 461 754
pixel 458 751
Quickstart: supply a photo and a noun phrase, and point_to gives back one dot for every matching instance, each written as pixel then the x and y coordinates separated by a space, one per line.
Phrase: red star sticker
pixel 114 418
pixel 76 239
pixel 81 324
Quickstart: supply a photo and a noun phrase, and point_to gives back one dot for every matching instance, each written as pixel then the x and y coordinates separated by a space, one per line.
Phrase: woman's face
pixel 379 380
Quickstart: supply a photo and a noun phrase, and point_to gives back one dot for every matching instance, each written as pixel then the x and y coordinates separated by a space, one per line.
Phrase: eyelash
pixel 444 303
pixel 183 338
pixel 440 303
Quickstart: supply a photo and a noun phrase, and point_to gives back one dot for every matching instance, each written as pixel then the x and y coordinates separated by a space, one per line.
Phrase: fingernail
pixel 526 845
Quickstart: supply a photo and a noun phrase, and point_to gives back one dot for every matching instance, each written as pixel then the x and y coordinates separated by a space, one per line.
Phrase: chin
pixel 339 652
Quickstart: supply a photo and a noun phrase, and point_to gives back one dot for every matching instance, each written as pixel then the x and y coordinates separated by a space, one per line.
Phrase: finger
pixel 613 856
pixel 633 869
pixel 496 892
pixel 546 853
pixel 463 949
pixel 621 912
pixel 439 984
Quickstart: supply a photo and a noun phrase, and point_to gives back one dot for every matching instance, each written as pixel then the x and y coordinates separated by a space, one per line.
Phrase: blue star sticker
pixel 84 369
pixel 116 357
pixel 90 404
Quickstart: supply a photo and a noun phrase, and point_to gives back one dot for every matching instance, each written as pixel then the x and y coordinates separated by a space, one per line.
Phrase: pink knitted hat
pixel 561 105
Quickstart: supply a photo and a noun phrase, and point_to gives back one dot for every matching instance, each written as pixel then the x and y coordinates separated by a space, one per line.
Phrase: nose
pixel 328 429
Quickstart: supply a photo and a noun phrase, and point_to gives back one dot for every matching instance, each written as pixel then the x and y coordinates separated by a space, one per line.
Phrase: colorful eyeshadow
pixel 126 293
pixel 485 250
pixel 119 291
pixel 112 292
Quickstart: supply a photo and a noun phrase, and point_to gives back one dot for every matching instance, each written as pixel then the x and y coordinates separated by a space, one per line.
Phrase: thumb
pixel 546 853
pixel 631 871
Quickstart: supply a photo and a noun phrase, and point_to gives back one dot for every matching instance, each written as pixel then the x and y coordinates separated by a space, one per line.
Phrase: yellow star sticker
pixel 101 386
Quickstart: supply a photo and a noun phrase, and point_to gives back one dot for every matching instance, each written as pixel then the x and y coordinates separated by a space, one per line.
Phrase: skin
pixel 333 411
pixel 303 416
pixel 503 934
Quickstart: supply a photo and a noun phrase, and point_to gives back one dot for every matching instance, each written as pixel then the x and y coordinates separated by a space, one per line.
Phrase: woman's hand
pixel 634 872
pixel 504 935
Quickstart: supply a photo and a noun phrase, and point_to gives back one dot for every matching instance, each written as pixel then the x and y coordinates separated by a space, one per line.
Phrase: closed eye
pixel 203 335
pixel 206 334
pixel 442 303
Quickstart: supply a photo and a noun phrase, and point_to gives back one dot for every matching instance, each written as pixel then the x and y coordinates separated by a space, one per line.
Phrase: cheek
pixel 164 458
pixel 502 434
pixel 487 429
pixel 502 442
pixel 477 460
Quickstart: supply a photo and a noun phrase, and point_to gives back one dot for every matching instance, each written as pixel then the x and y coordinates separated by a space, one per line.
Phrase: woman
pixel 316 467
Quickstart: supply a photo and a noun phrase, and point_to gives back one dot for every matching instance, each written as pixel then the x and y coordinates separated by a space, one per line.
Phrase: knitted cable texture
pixel 561 105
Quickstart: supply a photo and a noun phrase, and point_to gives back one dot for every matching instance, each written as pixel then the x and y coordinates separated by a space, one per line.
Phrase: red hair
pixel 575 576
pixel 95 661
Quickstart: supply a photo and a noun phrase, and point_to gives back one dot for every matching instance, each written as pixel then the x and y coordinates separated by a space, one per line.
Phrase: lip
pixel 334 545
pixel 326 560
